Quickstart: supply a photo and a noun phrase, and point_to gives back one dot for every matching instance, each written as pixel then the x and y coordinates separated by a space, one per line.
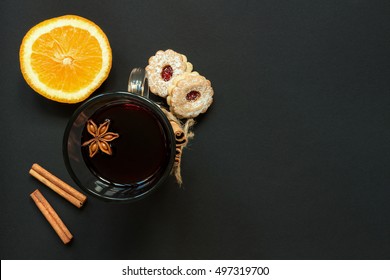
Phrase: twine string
pixel 180 143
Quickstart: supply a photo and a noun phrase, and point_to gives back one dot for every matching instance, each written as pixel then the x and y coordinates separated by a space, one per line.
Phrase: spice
pixel 182 134
pixel 100 139
pixel 51 216
pixel 60 187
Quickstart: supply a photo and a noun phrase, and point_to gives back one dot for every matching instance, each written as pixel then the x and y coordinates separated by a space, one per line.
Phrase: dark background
pixel 291 161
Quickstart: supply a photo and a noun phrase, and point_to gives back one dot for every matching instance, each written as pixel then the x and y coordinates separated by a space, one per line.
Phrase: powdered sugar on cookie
pixel 163 67
pixel 189 95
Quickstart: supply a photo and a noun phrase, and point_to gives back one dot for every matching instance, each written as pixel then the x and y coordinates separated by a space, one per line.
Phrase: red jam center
pixel 193 95
pixel 166 73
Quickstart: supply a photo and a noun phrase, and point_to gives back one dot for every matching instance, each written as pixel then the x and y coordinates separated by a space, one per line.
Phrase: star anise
pixel 101 138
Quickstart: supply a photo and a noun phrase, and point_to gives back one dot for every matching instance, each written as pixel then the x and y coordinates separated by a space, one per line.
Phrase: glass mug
pixel 130 166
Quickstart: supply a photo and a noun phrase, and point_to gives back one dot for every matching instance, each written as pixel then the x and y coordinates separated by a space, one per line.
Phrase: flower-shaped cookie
pixel 190 95
pixel 163 67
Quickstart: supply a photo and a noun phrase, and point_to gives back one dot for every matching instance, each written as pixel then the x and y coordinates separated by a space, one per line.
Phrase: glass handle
pixel 138 82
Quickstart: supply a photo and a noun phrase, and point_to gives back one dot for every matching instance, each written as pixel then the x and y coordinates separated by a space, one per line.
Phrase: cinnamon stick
pixel 51 216
pixel 60 187
pixel 180 136
pixel 178 154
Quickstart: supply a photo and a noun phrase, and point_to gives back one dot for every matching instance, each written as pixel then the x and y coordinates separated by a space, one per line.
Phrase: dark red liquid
pixel 140 154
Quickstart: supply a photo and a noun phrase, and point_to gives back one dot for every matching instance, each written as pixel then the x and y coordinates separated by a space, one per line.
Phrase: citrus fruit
pixel 65 58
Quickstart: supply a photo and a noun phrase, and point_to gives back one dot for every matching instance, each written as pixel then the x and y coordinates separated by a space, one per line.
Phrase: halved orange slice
pixel 65 58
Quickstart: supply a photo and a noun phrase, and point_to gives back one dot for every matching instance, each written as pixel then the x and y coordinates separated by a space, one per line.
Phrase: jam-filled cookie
pixel 163 67
pixel 190 95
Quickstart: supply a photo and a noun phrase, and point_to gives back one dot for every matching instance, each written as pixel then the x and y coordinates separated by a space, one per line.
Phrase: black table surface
pixel 291 161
